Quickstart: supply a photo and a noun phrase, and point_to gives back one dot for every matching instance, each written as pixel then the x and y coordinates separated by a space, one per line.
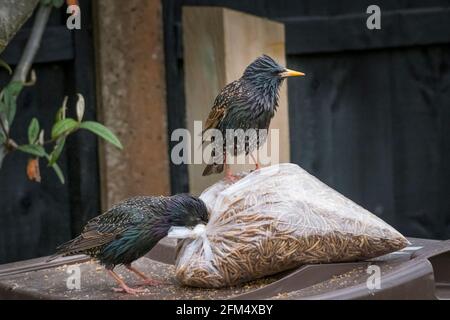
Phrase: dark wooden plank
pixel 83 148
pixel 309 8
pixel 56 45
pixel 443 121
pixel 331 26
pixel 401 28
pixel 179 181
pixel 35 217
pixel 421 144
pixel 340 122
pixel 372 126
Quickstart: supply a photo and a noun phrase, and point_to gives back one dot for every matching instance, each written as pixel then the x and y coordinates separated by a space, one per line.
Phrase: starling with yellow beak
pixel 247 103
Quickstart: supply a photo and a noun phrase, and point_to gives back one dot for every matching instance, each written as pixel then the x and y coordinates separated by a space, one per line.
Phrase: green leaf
pixel 3 108
pixel 6 66
pixel 58 172
pixel 60 115
pixel 2 118
pixel 101 131
pixel 10 93
pixel 33 149
pixel 14 88
pixel 57 169
pixel 33 131
pixel 63 126
pixel 54 156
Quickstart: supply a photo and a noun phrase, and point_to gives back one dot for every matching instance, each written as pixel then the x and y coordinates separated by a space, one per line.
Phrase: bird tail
pixel 212 169
pixel 53 257
pixel 63 250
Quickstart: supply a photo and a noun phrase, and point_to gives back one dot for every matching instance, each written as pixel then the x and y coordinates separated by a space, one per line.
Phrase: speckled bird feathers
pixel 126 219
pixel 247 103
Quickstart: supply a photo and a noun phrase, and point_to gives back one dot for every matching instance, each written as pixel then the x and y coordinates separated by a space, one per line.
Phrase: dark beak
pixel 291 73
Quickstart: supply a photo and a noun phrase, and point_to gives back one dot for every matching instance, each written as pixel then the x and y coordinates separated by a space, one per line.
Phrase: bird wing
pixel 215 116
pixel 222 103
pixel 105 228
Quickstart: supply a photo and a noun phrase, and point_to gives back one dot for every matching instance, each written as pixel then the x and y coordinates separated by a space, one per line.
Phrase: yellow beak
pixel 291 73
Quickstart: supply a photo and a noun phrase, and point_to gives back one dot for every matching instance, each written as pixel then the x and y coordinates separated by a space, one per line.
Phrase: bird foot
pixel 231 178
pixel 129 290
pixel 150 282
pixel 256 169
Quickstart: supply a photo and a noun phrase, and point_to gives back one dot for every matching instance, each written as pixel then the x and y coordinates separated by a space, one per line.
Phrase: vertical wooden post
pixel 132 98
pixel 218 44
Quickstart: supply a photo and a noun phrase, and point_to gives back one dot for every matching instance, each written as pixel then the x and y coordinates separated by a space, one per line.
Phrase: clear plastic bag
pixel 272 220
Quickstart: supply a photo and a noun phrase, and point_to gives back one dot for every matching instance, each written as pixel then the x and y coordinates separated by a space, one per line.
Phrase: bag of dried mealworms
pixel 272 220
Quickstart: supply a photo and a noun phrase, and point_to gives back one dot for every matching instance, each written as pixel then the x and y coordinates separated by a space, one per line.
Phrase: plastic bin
pixel 420 271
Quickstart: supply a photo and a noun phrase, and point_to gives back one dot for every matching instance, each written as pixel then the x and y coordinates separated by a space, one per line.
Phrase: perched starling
pixel 247 103
pixel 132 228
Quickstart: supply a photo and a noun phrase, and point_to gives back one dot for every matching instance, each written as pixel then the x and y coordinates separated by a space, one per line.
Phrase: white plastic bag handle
pixel 198 233
pixel 187 233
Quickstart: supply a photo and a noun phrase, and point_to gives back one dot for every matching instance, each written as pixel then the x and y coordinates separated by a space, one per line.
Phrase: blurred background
pixel 371 119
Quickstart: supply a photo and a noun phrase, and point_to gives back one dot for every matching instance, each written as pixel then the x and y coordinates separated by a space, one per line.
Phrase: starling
pixel 132 228
pixel 247 103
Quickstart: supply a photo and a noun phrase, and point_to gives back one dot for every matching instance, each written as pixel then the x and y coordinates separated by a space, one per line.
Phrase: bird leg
pixel 123 285
pixel 257 165
pixel 147 281
pixel 228 175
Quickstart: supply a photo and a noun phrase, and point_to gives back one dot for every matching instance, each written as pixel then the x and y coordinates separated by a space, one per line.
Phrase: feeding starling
pixel 132 228
pixel 247 103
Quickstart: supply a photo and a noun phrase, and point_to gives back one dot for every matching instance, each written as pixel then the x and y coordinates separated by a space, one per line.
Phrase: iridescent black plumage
pixel 133 227
pixel 247 103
